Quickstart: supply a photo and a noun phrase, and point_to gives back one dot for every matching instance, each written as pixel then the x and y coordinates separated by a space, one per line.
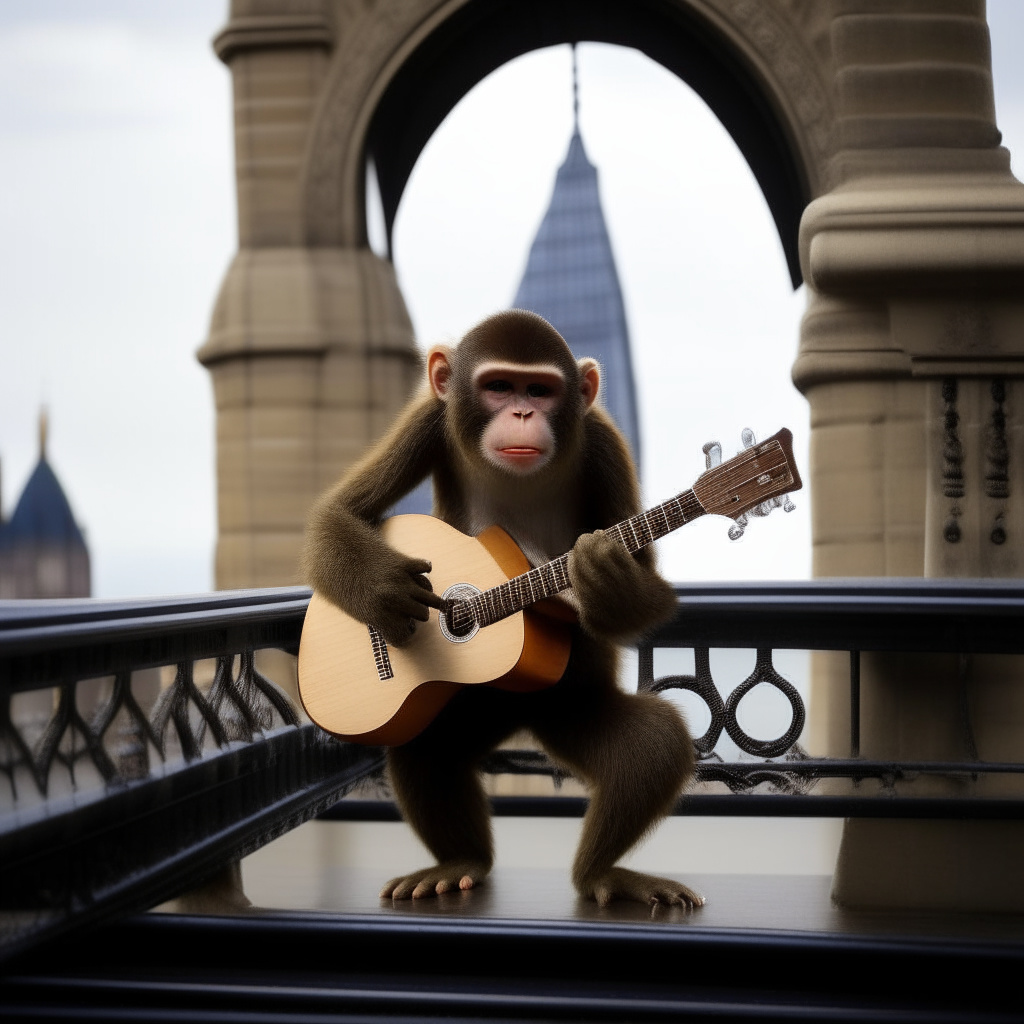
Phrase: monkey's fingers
pixel 427 597
pixel 410 605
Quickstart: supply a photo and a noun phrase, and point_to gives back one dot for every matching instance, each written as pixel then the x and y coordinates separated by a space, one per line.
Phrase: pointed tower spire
pixel 575 94
pixel 44 429
pixel 571 280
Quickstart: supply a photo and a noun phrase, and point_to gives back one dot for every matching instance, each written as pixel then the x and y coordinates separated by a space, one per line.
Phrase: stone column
pixel 310 349
pixel 911 262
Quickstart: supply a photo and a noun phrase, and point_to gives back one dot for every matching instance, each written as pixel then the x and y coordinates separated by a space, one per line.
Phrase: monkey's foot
pixel 623 884
pixel 442 878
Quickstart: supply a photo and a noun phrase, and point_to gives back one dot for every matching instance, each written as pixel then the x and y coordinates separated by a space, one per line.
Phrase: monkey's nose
pixel 524 414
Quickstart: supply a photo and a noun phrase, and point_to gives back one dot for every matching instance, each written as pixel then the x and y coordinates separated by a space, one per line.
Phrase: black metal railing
pixel 125 779
pixel 962 617
pixel 124 782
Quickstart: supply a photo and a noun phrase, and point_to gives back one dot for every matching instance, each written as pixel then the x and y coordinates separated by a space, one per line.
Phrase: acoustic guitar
pixel 498 625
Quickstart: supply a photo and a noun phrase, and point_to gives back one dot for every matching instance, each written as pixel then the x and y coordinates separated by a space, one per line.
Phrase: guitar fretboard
pixel 553 577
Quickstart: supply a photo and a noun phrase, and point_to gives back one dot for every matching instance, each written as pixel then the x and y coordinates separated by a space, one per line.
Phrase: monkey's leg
pixel 438 789
pixel 636 754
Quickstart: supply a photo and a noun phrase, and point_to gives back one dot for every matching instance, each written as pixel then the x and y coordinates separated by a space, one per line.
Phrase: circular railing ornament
pixel 703 685
pixel 764 672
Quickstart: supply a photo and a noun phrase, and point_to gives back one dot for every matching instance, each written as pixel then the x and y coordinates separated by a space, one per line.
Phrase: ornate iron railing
pixel 963 617
pixel 124 780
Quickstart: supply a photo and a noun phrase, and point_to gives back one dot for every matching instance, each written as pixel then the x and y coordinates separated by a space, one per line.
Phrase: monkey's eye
pixel 498 385
pixel 537 390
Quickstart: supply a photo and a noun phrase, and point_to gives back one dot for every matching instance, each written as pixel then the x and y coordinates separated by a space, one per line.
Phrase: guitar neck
pixel 755 477
pixel 553 577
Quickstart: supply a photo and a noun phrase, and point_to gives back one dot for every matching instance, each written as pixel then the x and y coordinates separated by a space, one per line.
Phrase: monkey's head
pixel 514 395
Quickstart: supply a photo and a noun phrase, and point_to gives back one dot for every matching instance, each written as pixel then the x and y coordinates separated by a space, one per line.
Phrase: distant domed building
pixel 571 281
pixel 42 550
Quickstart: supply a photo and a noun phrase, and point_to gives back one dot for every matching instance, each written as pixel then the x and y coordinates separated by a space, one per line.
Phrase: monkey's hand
pixel 623 884
pixel 619 597
pixel 397 597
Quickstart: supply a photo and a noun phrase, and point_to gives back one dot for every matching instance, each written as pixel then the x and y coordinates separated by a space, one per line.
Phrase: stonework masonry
pixel 911 350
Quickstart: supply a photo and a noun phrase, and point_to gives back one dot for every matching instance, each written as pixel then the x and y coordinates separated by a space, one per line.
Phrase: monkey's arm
pixel 344 556
pixel 620 596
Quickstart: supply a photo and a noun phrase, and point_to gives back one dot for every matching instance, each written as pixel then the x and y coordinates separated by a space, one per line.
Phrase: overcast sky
pixel 117 222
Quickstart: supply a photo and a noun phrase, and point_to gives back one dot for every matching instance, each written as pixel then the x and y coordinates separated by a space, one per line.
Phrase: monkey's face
pixel 515 397
pixel 519 403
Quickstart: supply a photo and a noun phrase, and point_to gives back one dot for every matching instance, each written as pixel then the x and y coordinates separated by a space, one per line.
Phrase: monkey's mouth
pixel 521 455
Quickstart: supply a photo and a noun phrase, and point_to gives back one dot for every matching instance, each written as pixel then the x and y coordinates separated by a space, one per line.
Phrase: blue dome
pixel 42 514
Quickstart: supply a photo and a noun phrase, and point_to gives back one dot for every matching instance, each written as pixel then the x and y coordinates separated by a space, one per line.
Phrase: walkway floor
pixel 756 902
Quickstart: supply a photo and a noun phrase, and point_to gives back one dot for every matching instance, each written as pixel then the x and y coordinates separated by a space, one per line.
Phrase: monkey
pixel 509 427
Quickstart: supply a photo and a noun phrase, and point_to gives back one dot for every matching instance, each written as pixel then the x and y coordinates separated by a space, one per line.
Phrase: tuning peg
pixel 712 454
pixel 738 527
pixel 747 437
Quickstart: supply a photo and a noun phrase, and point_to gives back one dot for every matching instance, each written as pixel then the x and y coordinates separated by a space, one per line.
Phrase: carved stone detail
pixel 370 49
pixel 782 50
pixel 997 479
pixel 953 460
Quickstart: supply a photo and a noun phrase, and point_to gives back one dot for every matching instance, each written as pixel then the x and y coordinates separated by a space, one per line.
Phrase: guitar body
pixel 356 687
pixel 340 678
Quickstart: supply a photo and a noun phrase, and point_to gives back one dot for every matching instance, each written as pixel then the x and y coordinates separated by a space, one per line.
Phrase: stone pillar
pixel 911 261
pixel 310 349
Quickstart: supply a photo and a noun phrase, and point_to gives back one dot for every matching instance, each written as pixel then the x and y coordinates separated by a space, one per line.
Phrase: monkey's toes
pixel 676 895
pixel 623 884
pixel 435 881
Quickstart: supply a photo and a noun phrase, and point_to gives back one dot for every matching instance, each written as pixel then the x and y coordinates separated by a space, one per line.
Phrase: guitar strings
pixel 635 533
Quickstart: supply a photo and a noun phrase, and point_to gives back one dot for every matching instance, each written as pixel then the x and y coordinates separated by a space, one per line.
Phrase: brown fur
pixel 632 750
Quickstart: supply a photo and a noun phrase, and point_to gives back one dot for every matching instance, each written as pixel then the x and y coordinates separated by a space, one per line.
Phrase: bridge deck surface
pixel 792 903
pixel 322 946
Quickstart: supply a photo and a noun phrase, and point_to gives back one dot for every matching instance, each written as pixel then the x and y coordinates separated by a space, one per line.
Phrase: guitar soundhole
pixel 458 592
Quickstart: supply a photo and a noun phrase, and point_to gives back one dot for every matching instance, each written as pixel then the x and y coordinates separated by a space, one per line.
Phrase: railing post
pixel 854 703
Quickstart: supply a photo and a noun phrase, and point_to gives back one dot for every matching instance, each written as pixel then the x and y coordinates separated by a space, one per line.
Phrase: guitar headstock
pixel 763 472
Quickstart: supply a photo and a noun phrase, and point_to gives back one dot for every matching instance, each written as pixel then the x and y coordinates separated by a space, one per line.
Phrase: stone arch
pixel 880 111
pixel 395 77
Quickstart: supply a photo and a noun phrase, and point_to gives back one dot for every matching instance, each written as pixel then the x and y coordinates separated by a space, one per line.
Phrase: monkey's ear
pixel 590 380
pixel 439 370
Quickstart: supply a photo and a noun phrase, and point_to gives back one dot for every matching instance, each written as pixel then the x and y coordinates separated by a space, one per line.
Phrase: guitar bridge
pixel 380 655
